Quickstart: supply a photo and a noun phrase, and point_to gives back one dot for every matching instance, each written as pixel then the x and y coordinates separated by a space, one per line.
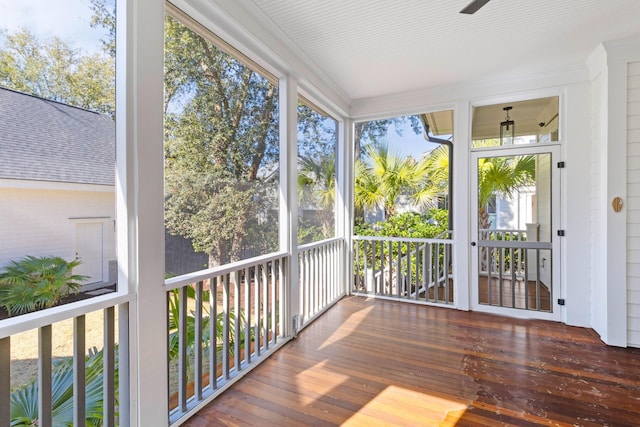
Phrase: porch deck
pixel 371 362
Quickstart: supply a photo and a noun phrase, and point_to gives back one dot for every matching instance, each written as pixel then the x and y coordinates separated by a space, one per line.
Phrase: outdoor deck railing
pixel 319 270
pixel 510 260
pixel 222 322
pixel 64 386
pixel 403 268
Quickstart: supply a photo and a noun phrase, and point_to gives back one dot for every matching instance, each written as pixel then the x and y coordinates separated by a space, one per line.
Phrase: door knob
pixel 473 243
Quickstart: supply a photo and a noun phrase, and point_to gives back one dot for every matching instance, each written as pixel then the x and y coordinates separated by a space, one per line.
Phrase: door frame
pixel 556 211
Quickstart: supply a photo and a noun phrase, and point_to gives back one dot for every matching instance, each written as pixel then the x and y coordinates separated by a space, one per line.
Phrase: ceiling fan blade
pixel 474 6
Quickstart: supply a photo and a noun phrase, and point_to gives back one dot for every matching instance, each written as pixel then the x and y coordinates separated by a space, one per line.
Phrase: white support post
pixel 288 90
pixel 462 206
pixel 344 199
pixel 140 216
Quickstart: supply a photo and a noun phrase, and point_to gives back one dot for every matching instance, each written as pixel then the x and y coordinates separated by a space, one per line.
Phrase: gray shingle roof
pixel 44 140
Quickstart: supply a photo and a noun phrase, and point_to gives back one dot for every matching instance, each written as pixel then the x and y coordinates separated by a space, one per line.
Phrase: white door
pixel 89 250
pixel 515 239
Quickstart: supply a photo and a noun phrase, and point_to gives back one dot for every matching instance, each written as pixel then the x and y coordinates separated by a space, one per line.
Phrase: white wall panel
pixel 633 213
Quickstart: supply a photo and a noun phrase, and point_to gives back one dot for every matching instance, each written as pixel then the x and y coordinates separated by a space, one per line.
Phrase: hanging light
pixel 507 129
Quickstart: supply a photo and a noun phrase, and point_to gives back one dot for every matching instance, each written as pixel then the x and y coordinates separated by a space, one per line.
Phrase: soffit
pixel 375 48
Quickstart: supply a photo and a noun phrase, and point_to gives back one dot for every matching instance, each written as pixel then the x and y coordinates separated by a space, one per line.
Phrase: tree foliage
pixel 221 148
pixel 24 401
pixel 52 69
pixel 34 283
pixel 381 177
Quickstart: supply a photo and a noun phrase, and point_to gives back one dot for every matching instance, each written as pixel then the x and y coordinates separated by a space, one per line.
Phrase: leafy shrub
pixel 24 401
pixel 408 224
pixel 33 283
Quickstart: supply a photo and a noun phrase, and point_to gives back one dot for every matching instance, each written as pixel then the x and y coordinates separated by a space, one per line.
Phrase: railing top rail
pixel 444 234
pixel 402 239
pixel 501 230
pixel 38 319
pixel 317 244
pixel 196 276
pixel 514 244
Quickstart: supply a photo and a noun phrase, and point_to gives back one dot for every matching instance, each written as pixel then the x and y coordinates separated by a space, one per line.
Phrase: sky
pixel 70 20
pixel 67 19
pixel 409 144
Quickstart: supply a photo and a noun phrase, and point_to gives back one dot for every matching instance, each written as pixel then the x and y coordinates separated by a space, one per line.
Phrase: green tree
pixel 54 70
pixel 317 187
pixel 382 177
pixel 502 175
pixel 221 147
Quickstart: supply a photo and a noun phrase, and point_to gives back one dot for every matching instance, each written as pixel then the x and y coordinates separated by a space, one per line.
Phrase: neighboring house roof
pixel 44 140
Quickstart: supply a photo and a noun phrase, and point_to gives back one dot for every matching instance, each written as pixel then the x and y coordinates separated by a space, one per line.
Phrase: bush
pixel 408 224
pixel 33 283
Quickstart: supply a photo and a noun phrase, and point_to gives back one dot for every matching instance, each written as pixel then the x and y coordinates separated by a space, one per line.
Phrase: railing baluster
pixel 447 260
pixel 109 351
pixel 182 349
pixel 398 271
pixel 198 342
pixel 226 350
pixel 281 297
pixel 316 280
pixel 538 279
pixel 310 281
pixel 256 308
pixel 265 306
pixel 272 303
pixel 79 376
pixel 512 255
pixel 526 280
pixel 247 311
pixel 236 322
pixel 5 381
pixel 213 332
pixel 44 377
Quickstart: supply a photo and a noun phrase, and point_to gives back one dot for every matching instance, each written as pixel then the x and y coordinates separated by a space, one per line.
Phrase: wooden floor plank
pixel 375 362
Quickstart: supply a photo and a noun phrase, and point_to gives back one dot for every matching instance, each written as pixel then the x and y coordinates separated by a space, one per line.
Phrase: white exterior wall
pixel 40 219
pixel 633 204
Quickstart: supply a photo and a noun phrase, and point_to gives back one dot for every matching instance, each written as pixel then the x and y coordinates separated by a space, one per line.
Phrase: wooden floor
pixel 517 296
pixel 373 362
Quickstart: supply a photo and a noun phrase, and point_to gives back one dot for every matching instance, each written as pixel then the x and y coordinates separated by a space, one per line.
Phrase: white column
pixel 344 197
pixel 462 209
pixel 140 218
pixel 288 90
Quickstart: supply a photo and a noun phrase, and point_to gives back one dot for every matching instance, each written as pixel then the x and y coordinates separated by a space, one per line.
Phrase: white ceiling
pixel 373 48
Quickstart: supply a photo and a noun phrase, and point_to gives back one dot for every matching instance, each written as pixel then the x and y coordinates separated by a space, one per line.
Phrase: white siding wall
pixel 633 204
pixel 40 222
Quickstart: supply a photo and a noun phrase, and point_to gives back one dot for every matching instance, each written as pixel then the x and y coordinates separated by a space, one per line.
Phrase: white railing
pixel 511 270
pixel 403 268
pixel 69 391
pixel 222 322
pixel 513 261
pixel 319 273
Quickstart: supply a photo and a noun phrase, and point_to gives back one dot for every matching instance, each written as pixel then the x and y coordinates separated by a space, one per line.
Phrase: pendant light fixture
pixel 507 129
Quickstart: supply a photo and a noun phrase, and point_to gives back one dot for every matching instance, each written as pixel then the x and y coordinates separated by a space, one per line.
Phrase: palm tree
pixel 33 283
pixel 433 169
pixel 502 175
pixel 382 177
pixel 24 401
pixel 317 187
